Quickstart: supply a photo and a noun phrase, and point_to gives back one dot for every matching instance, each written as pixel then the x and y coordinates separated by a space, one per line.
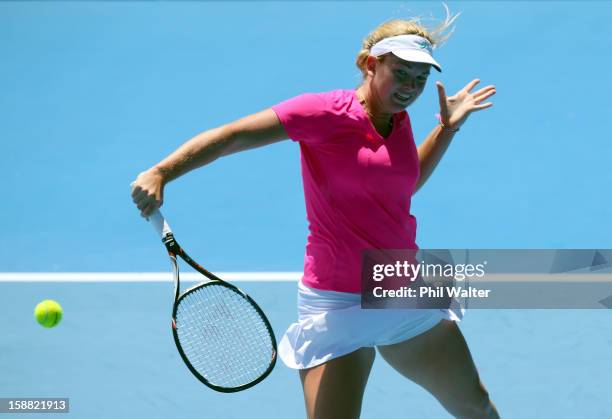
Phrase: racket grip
pixel 159 223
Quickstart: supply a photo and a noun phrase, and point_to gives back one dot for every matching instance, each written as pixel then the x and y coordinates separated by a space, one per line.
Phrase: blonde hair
pixel 437 35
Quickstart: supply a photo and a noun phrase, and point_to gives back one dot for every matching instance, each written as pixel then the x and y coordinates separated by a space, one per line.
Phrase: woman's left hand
pixel 454 110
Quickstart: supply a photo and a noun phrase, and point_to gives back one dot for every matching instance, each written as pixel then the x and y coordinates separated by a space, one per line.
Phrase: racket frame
pixel 174 250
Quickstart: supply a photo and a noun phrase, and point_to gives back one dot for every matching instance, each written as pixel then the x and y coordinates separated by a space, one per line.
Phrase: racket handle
pixel 159 223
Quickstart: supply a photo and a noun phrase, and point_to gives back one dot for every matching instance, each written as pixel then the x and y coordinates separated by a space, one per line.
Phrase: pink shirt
pixel 357 184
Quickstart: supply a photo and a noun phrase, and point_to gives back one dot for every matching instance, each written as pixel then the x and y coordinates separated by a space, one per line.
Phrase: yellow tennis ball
pixel 48 313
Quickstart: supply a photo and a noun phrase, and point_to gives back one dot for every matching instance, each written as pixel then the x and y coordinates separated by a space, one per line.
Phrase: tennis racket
pixel 222 335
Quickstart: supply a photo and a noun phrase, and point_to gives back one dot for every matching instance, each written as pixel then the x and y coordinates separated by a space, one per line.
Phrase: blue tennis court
pixel 95 92
pixel 113 356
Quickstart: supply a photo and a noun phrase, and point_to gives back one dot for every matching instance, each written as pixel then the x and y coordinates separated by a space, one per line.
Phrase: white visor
pixel 407 47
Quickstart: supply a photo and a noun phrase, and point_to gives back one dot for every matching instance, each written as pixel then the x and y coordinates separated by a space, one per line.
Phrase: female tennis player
pixel 360 168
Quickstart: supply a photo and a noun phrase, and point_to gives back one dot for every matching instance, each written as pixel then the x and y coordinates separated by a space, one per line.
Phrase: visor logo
pixel 424 45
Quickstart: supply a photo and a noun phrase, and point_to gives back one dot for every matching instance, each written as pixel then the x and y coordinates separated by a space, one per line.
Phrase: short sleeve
pixel 304 117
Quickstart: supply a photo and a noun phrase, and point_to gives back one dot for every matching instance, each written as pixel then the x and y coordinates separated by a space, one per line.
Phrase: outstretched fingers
pixel 482 106
pixel 481 96
pixel 470 85
pixel 441 95
pixel 484 93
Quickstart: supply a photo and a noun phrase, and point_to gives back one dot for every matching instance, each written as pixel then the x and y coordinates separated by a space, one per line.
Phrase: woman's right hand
pixel 148 191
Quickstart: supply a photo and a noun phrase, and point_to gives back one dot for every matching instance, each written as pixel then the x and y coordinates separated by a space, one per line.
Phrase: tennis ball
pixel 48 313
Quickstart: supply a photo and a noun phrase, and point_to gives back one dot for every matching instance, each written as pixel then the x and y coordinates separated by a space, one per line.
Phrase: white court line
pixel 143 276
pixel 263 277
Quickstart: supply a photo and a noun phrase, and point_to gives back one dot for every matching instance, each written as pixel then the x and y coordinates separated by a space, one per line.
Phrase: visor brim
pixel 416 56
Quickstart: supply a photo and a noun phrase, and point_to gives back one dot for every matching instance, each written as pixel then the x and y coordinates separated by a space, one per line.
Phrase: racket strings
pixel 223 336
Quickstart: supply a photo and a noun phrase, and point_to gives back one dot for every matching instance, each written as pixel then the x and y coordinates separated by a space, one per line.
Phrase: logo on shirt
pixel 371 138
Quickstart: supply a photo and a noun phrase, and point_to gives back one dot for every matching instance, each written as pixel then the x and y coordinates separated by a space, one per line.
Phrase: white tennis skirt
pixel 332 324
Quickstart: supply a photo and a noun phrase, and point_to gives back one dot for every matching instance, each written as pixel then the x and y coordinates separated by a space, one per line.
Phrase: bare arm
pixel 431 152
pixel 253 131
pixel 454 111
